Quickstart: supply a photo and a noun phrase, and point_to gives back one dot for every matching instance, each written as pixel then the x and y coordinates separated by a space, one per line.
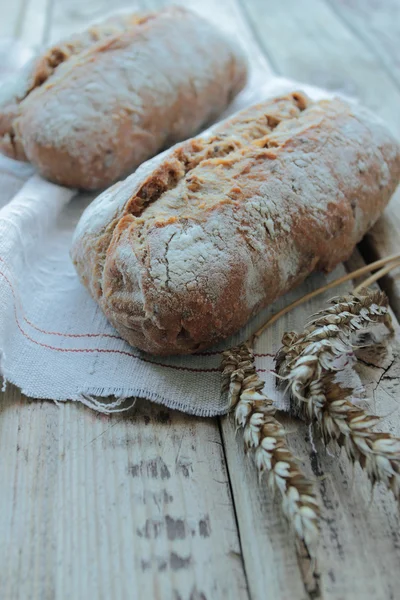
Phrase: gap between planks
pixel 359 546
pixel 321 43
pixel 273 561
pixel 133 506
pixel 268 561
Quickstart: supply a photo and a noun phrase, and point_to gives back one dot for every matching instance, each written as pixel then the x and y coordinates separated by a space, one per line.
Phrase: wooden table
pixel 157 504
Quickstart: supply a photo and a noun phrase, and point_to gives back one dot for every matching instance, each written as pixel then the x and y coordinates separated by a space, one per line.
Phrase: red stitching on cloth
pixel 100 350
pixel 71 335
pixel 256 354
pixel 107 335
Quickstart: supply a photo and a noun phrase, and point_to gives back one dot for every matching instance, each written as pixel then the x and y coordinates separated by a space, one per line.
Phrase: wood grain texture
pixel 140 505
pixel 308 42
pixel 359 528
pixel 12 16
pixel 377 25
pixel 131 506
pixel 325 44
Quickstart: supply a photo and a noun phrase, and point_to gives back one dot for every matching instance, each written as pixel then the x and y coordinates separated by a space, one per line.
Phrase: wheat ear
pixel 265 436
pixel 307 363
pixel 255 413
pixel 392 262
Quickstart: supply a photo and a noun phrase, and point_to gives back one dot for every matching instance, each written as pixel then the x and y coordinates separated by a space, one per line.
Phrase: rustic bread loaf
pixel 187 249
pixel 92 108
pixel 37 71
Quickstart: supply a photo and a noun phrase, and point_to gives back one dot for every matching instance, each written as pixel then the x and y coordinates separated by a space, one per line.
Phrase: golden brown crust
pixel 42 67
pixel 184 252
pixel 91 109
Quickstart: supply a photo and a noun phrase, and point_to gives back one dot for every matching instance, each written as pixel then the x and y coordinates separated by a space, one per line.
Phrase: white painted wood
pixel 268 545
pixel 139 506
pixel 73 15
pixel 320 43
pixel 12 14
pixel 359 548
pixel 307 41
pixel 132 506
pixel 377 24
pixel 35 25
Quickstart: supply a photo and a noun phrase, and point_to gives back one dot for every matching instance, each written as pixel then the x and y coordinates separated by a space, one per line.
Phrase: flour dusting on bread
pixel 96 107
pixel 204 236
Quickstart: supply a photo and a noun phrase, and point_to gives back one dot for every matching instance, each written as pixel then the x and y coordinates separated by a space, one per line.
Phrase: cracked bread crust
pixel 200 238
pixel 91 109
pixel 38 70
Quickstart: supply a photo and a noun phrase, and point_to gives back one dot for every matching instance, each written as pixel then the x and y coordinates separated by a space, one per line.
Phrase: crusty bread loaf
pixel 14 91
pixel 92 108
pixel 199 239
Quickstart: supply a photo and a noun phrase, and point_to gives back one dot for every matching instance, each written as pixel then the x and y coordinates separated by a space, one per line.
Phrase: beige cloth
pixel 55 342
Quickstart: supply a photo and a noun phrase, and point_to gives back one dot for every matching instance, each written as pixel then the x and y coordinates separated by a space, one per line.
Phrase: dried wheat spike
pixel 307 363
pixel 356 311
pixel 287 352
pixel 351 427
pixel 327 339
pixel 265 436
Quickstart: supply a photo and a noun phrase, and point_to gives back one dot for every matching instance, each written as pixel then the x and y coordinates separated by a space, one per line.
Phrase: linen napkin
pixel 55 342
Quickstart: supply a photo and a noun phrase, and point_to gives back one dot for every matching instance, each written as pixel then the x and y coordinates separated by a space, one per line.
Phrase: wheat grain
pixel 307 363
pixel 265 436
pixel 328 338
pixel 351 427
pixel 392 261
pixel 355 311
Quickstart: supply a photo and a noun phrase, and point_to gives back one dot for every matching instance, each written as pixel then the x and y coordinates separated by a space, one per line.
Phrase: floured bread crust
pixel 199 239
pixel 92 108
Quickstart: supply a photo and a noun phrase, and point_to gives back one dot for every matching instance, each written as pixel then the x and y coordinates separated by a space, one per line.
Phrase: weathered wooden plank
pixel 268 545
pixel 309 42
pixel 69 16
pixel 359 548
pixel 377 24
pixel 126 506
pixel 12 14
pixel 35 25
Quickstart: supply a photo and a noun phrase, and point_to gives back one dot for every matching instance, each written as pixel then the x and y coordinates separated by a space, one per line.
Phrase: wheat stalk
pixel 308 362
pixel 328 337
pixel 391 261
pixel 351 427
pixel 265 436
